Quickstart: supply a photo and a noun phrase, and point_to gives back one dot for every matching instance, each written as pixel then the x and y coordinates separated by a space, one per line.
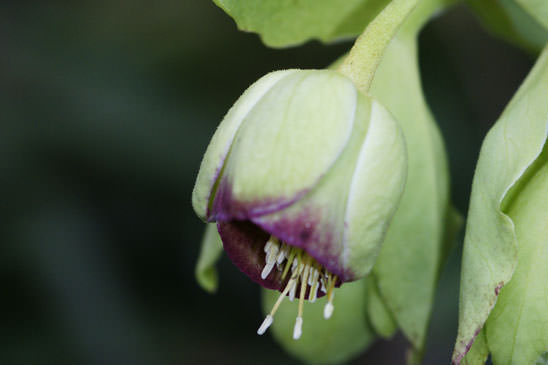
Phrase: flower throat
pixel 306 272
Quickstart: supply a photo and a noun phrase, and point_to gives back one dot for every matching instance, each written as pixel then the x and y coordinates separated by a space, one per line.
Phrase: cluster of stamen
pixel 304 271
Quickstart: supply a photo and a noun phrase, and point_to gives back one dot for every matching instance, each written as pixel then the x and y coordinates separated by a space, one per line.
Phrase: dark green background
pixel 105 110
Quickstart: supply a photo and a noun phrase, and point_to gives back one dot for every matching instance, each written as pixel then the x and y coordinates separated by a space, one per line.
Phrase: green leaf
pixel 323 341
pixel 491 243
pixel 212 247
pixel 521 22
pixel 283 23
pixel 538 9
pixel 379 315
pixel 517 328
pixel 478 352
pixel 408 264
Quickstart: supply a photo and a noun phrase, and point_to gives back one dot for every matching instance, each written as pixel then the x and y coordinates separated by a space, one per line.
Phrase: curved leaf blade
pixel 490 246
pixel 282 23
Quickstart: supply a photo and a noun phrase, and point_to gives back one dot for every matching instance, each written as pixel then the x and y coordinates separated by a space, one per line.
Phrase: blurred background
pixel 106 108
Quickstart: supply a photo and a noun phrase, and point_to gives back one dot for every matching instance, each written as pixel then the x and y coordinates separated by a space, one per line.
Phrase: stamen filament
pixel 289 262
pixel 314 287
pixel 297 330
pixel 270 317
pixel 299 268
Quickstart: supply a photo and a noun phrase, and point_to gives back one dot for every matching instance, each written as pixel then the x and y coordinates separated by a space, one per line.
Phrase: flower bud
pixel 302 177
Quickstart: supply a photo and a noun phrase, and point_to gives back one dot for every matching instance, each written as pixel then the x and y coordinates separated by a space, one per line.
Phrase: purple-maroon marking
pixel 227 208
pixel 312 234
pixel 457 360
pixel 498 288
pixel 244 244
pixel 468 346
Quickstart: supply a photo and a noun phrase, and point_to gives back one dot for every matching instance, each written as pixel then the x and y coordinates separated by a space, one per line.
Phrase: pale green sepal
pixel 379 316
pixel 375 190
pixel 211 250
pixel 219 146
pixel 408 263
pixel 490 246
pixel 356 199
pixel 478 352
pixel 517 328
pixel 283 23
pixel 292 137
pixel 324 207
pixel 331 341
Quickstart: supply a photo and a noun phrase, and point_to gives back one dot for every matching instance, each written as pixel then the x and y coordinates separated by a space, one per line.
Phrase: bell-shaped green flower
pixel 503 297
pixel 302 177
pixel 414 245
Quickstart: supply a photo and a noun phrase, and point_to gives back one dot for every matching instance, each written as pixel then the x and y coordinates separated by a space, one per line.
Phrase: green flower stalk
pixel 302 177
pixel 503 307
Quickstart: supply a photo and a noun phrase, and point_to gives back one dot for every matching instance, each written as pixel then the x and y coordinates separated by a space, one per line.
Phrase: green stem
pixel 367 52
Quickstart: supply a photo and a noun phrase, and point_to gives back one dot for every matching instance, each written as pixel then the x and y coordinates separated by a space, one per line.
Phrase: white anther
pixel 268 245
pixel 281 255
pixel 311 276
pixel 300 270
pixel 328 310
pixel 267 269
pixel 270 257
pixel 272 253
pixel 266 323
pixel 323 288
pixel 298 329
pixel 294 265
pixel 292 292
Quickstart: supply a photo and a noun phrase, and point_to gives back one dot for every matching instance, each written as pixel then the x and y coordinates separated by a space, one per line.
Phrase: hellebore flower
pixel 302 177
pixel 503 303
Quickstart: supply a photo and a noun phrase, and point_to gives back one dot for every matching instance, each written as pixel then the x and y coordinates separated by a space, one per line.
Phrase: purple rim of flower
pixel 226 207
